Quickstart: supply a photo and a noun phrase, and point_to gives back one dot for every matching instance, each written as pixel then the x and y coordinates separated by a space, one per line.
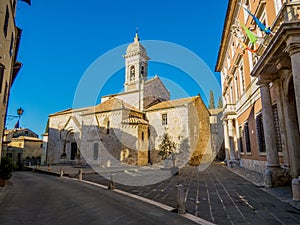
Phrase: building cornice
pixel 231 11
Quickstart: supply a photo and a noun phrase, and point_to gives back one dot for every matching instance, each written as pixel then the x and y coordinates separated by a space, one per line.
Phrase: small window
pixel 242 78
pixel 107 127
pixel 5 27
pixel 241 139
pixel 14 5
pixel 247 6
pixel 96 146
pixel 260 133
pixel 142 71
pixel 164 119
pixel 11 47
pixel 247 137
pixel 142 136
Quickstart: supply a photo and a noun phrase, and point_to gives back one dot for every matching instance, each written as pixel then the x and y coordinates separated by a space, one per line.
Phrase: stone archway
pixel 70 146
pixel 292 128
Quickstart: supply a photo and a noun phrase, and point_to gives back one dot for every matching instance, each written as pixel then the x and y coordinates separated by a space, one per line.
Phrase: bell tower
pixel 136 65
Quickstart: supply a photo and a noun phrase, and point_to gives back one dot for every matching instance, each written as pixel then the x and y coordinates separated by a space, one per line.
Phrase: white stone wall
pixel 177 127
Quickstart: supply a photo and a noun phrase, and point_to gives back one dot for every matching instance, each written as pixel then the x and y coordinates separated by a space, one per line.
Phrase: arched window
pixel 132 73
pixel 142 71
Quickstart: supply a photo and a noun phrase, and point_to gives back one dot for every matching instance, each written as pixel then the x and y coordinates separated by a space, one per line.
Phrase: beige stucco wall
pixel 7 59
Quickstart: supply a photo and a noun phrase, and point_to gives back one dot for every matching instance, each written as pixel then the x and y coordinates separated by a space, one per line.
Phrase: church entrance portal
pixel 73 150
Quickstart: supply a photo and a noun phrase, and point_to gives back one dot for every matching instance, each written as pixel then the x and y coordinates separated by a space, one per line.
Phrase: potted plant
pixel 6 168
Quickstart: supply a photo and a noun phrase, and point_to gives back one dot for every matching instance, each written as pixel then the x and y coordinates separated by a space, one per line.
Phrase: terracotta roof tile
pixel 172 103
pixel 113 104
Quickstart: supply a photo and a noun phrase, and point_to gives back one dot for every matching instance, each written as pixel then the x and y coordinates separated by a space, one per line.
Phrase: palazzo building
pixel 261 88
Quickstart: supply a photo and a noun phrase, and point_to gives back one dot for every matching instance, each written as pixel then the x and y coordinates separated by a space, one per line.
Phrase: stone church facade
pixel 128 127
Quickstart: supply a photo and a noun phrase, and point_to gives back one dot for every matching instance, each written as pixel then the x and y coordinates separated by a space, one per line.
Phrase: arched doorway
pixel 71 147
pixel 292 129
pixel 73 150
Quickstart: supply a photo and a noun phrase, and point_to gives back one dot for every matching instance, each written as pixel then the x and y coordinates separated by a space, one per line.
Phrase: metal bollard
pixel 180 199
pixel 61 172
pixel 111 185
pixel 80 174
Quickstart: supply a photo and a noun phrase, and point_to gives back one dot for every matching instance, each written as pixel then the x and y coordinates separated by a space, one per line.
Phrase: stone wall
pixel 177 128
pixel 255 165
pixel 155 90
pixel 199 131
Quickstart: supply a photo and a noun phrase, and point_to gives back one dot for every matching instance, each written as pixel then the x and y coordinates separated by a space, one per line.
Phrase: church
pixel 128 127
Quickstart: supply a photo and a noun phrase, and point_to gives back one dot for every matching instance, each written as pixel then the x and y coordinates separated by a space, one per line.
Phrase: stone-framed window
pixel 247 6
pixel 277 128
pixel 242 77
pixel 260 133
pixel 5 27
pixel 241 139
pixel 96 147
pixel 143 136
pixel 164 118
pixel 236 86
pixel 247 137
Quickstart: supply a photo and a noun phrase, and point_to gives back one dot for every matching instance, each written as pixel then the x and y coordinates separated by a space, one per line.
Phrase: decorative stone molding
pixel 293 45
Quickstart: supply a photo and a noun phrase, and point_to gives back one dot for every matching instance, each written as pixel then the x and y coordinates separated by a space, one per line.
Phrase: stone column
pixel 231 139
pixel 293 49
pixel 278 93
pixel 268 123
pixel 226 140
pixel 237 132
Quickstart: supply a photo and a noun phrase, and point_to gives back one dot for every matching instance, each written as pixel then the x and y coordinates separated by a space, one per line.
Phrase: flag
pixel 259 24
pixel 17 124
pixel 252 37
pixel 27 1
pixel 246 47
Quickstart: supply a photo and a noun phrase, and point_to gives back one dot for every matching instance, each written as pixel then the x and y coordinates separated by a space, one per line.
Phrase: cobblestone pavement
pixel 216 195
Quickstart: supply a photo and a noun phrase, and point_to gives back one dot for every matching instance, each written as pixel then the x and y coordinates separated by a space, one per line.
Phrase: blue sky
pixel 61 39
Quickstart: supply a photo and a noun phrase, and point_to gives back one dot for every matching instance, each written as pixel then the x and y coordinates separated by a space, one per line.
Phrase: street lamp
pixel 20 112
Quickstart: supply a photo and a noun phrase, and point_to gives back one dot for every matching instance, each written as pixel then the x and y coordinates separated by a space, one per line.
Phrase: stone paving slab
pixel 216 194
